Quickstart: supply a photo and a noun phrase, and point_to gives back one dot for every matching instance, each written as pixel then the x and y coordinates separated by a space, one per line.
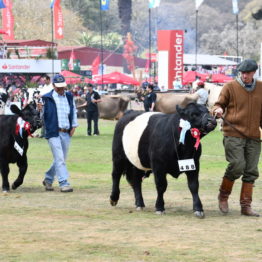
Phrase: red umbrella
pixel 220 78
pixel 190 77
pixel 73 78
pixel 116 78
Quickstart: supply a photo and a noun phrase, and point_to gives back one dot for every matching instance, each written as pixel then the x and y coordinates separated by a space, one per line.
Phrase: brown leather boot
pixel 225 191
pixel 246 199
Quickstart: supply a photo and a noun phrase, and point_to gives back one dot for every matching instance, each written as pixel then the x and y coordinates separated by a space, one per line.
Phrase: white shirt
pixel 202 96
pixel 46 89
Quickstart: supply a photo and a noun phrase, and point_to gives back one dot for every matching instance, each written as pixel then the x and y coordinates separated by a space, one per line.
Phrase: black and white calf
pixel 14 132
pixel 156 141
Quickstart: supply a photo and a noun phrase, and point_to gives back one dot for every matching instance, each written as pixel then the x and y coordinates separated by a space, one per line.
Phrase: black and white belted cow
pixel 161 143
pixel 14 132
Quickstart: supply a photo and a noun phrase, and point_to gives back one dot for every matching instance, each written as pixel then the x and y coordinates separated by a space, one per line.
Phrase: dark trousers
pixel 243 157
pixel 92 115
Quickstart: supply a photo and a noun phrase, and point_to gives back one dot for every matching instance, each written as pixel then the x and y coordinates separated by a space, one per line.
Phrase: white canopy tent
pixel 212 60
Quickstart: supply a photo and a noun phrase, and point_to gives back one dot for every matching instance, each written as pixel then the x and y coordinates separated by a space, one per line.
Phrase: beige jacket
pixel 242 108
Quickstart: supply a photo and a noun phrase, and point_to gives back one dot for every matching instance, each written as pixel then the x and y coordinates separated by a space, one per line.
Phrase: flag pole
pixel 237 35
pixel 101 45
pixel 196 42
pixel 149 24
pixel 52 31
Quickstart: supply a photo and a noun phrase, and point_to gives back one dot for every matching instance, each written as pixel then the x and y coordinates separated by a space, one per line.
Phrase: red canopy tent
pixel 190 77
pixel 220 78
pixel 73 78
pixel 116 78
pixel 3 32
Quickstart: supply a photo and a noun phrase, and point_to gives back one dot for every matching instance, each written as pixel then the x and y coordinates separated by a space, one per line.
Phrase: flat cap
pixel 247 65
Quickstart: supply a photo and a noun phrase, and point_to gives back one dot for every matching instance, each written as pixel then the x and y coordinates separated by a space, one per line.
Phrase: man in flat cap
pixel 240 102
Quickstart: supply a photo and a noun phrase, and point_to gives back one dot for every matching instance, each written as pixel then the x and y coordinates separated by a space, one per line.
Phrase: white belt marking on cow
pixel 131 138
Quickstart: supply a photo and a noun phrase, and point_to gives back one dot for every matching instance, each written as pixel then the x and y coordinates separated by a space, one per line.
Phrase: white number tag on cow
pixel 18 148
pixel 186 165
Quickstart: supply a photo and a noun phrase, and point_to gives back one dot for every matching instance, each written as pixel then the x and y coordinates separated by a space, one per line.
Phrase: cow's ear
pixel 181 111
pixel 15 110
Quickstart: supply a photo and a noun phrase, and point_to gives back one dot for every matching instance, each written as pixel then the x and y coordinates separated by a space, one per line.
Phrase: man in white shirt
pixel 47 87
pixel 202 93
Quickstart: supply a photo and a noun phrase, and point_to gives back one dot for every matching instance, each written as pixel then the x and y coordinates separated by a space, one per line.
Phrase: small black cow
pixel 14 132
pixel 150 141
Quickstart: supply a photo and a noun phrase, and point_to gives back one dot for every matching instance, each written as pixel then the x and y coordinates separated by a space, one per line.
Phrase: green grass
pixel 82 226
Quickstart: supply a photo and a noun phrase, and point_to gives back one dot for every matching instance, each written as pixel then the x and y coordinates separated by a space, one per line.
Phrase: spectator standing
pixel 92 99
pixel 48 86
pixel 202 93
pixel 177 84
pixel 60 120
pixel 149 99
pixel 241 103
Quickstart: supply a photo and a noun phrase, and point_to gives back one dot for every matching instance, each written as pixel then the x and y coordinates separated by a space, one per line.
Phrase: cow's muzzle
pixel 209 123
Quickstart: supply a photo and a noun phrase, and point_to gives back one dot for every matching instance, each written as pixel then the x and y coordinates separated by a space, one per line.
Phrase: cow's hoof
pixel 199 214
pixel 139 208
pixel 160 212
pixel 113 203
pixel 5 192
pixel 14 187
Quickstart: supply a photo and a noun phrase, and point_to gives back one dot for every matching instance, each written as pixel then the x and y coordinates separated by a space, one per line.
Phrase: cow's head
pixel 29 114
pixel 198 116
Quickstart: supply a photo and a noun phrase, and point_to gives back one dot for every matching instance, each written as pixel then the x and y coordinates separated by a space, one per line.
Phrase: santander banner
pixel 58 21
pixel 29 66
pixel 170 57
pixel 8 21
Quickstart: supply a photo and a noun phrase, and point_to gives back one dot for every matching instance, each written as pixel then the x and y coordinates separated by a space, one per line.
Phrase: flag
pixel 95 65
pixel 53 2
pixel 235 7
pixel 147 66
pixel 154 3
pixel 71 60
pixel 2 4
pixel 198 3
pixel 58 20
pixel 105 5
pixel 8 20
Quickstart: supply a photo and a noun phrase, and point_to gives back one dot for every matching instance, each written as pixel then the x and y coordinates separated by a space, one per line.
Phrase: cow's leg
pixel 161 186
pixel 5 171
pixel 193 185
pixel 118 170
pixel 134 177
pixel 22 164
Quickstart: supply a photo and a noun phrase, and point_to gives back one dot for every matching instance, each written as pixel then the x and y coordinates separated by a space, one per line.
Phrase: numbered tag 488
pixel 186 165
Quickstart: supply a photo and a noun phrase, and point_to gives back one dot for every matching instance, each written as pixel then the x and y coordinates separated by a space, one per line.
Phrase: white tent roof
pixel 190 59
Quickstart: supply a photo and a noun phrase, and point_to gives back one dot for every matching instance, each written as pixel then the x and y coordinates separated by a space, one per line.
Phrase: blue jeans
pixel 59 147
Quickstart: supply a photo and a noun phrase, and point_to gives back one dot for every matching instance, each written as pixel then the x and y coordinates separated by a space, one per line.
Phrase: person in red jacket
pixel 240 101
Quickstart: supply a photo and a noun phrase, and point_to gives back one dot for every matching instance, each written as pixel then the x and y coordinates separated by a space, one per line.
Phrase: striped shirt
pixel 63 111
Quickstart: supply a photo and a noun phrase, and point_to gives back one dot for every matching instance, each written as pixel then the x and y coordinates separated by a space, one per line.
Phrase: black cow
pixel 150 141
pixel 14 132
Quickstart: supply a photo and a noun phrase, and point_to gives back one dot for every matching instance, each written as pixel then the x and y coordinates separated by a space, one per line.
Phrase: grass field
pixel 82 226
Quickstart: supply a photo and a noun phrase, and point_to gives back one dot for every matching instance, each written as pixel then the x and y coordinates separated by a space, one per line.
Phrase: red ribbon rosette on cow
pixel 20 125
pixel 196 134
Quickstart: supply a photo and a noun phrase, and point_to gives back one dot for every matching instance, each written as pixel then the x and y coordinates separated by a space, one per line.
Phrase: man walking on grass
pixel 240 101
pixel 60 121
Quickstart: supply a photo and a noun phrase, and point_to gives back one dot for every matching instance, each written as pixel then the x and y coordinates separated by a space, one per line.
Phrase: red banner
pixel 8 21
pixel 170 57
pixel 58 21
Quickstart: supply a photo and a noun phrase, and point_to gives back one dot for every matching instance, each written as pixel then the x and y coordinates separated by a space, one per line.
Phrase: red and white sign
pixel 8 21
pixel 58 21
pixel 29 66
pixel 170 57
